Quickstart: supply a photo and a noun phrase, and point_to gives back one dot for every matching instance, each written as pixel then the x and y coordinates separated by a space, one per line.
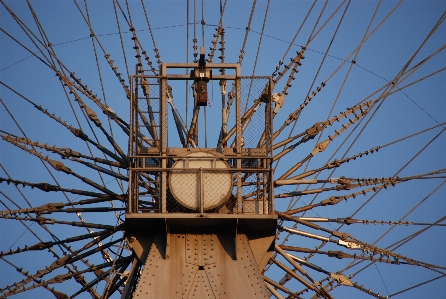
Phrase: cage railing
pixel 201 185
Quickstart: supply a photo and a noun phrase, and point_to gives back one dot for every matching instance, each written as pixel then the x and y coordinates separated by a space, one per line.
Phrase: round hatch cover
pixel 185 185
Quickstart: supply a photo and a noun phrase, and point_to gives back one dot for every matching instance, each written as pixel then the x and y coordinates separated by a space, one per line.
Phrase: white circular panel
pixel 185 185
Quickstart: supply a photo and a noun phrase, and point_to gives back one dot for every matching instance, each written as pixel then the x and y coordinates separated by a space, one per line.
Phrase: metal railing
pixel 234 178
pixel 212 189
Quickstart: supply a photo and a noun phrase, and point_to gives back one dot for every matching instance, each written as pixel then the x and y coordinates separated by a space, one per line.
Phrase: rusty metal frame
pixel 162 146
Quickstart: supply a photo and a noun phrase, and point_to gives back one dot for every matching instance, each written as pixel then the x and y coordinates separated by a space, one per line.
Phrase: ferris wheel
pixel 222 149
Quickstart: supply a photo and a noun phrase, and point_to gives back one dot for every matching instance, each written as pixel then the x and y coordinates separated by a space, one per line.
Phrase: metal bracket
pixel 351 245
pixel 341 279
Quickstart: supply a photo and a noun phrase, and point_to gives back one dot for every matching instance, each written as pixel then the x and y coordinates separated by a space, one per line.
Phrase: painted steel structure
pixel 204 235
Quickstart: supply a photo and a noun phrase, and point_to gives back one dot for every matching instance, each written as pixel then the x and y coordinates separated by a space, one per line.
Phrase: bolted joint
pixel 46 187
pixel 59 166
pixel 60 278
pixel 79 133
pixel 342 236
